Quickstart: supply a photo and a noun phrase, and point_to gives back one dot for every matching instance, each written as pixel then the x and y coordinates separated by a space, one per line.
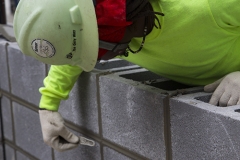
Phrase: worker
pixel 191 42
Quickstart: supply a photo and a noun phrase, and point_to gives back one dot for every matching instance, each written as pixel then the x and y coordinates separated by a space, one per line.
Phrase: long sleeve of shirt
pixel 57 85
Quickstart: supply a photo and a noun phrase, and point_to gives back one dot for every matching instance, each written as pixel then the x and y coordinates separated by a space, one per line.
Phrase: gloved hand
pixel 56 135
pixel 226 91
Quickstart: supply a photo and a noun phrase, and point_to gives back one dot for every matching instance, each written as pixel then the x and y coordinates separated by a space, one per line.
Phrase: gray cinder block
pixel 81 107
pixel 132 116
pixel 203 131
pixel 9 152
pixel 28 134
pixel 110 154
pixel 80 153
pixel 4 80
pixel 7 119
pixel 26 74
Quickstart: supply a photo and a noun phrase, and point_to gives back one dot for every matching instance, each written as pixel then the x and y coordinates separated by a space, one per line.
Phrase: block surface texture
pixel 7 119
pixel 9 152
pixel 26 74
pixel 4 80
pixel 132 116
pixel 203 131
pixel 28 132
pixel 110 154
pixel 81 107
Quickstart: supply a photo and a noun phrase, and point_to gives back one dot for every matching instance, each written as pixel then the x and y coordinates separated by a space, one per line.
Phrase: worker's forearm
pixel 57 85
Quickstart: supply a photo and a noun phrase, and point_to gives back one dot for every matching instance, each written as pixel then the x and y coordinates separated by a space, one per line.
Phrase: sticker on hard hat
pixel 43 48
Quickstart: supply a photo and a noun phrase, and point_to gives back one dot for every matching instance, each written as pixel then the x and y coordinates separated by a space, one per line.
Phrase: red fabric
pixel 111 19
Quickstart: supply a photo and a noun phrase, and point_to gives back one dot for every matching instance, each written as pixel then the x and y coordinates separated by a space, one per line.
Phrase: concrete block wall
pixel 130 112
pixel 203 131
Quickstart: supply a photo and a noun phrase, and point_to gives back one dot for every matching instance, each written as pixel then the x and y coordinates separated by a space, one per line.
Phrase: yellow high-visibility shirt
pixel 199 42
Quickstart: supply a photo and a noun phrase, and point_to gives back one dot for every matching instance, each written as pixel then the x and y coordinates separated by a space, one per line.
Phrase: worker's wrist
pixel 49 103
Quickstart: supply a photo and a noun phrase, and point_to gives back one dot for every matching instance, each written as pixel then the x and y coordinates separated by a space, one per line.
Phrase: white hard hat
pixel 58 32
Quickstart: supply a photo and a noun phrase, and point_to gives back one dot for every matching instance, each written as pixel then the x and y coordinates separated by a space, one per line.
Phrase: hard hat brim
pixel 90 41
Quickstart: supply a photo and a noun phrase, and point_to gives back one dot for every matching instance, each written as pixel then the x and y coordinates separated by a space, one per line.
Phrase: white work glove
pixel 226 91
pixel 56 135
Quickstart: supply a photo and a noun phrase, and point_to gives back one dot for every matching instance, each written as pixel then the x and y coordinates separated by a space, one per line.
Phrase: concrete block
pixel 132 115
pixel 9 152
pixel 80 153
pixel 81 107
pixel 20 156
pixel 28 134
pixel 110 154
pixel 26 74
pixel 4 80
pixel 7 119
pixel 203 131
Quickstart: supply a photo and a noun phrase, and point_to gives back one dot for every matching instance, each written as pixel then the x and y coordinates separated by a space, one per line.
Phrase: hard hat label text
pixel 43 48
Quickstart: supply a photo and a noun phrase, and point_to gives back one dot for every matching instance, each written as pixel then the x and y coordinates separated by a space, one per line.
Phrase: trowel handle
pixel 87 142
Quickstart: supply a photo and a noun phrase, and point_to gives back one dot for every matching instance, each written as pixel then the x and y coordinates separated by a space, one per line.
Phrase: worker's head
pixel 58 32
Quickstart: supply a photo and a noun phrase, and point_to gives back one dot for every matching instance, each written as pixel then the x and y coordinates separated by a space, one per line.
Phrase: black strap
pixel 114 49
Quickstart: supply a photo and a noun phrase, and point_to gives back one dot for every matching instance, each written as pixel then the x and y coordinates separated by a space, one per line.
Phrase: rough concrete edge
pixel 135 84
pixel 191 100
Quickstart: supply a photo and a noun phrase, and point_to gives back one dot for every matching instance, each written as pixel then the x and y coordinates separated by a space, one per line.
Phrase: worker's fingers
pixel 61 144
pixel 217 94
pixel 223 101
pixel 212 87
pixel 69 136
pixel 233 100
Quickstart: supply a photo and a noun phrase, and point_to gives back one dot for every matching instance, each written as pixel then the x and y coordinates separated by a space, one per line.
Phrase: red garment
pixel 111 19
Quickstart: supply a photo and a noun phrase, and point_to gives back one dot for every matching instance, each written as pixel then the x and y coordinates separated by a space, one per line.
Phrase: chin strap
pixel 114 49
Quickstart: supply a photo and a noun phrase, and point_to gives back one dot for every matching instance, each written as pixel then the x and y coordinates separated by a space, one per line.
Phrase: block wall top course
pixel 163 84
pixel 203 131
pixel 26 75
pixel 132 116
pixel 28 133
pixel 201 99
pixel 4 80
